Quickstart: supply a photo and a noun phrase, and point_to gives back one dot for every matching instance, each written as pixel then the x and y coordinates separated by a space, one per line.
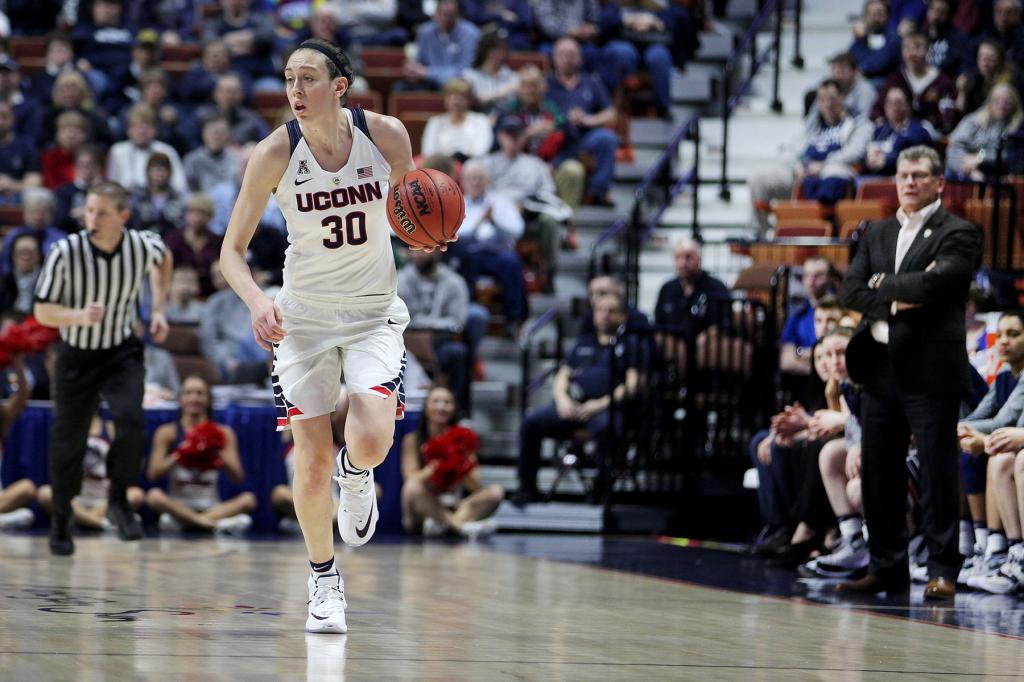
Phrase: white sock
pixel 996 544
pixel 980 538
pixel 966 537
pixel 851 527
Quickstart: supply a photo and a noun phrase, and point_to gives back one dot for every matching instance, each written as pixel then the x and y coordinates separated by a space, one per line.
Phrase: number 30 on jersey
pixel 351 231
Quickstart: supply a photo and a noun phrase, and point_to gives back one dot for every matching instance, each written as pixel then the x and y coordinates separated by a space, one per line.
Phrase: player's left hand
pixel 158 327
pixel 430 249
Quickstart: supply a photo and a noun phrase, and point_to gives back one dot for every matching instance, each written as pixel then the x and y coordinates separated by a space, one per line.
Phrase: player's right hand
pixel 266 323
pixel 93 313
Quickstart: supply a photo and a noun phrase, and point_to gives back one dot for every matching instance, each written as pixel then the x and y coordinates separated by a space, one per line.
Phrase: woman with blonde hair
pixel 71 92
pixel 459 132
pixel 974 142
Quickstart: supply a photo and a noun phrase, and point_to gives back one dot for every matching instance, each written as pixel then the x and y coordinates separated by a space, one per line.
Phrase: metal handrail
pixel 528 385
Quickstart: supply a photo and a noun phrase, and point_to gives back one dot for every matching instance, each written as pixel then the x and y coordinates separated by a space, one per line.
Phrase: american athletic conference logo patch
pixel 303 168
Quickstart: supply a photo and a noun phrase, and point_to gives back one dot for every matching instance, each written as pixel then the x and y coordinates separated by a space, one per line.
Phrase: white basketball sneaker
pixel 357 513
pixel 326 604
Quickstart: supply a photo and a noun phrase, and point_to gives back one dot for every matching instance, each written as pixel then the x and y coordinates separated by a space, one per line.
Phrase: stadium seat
pixel 377 57
pixel 196 365
pixel 11 215
pixel 848 227
pixel 371 101
pixel 182 339
pixel 517 60
pixel 800 209
pixel 856 210
pixel 1002 247
pixel 880 189
pixel 803 228
pixel 405 103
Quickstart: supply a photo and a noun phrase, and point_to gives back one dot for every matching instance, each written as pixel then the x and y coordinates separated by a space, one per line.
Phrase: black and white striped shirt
pixel 77 273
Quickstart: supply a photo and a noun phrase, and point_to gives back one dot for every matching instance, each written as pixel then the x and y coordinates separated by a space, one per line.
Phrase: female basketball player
pixel 330 171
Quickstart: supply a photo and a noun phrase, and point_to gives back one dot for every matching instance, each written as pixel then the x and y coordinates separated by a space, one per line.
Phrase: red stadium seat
pixel 799 209
pixel 856 210
pixel 371 101
pixel 517 60
pixel 404 103
pixel 880 189
pixel 803 228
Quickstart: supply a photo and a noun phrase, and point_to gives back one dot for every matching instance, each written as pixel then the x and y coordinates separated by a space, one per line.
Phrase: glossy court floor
pixel 516 607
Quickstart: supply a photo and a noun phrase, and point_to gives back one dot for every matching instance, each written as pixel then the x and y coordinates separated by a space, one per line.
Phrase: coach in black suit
pixel 910 279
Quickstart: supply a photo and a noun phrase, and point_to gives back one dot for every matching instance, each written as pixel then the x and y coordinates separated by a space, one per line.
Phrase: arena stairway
pixel 495 400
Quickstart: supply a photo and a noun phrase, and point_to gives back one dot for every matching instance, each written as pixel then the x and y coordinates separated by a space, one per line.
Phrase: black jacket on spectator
pixel 692 314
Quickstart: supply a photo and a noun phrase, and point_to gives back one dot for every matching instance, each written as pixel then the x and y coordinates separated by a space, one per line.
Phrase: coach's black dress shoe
pixel 61 543
pixel 875 584
pixel 122 516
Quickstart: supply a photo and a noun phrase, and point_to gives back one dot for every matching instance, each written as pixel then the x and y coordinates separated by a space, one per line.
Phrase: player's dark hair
pixel 337 61
pixel 209 393
pixel 421 429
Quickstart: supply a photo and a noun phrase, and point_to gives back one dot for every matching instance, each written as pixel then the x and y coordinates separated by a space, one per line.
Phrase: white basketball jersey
pixel 339 239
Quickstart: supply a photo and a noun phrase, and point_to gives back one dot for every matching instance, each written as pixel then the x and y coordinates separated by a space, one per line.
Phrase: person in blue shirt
pixel 582 393
pixel 26 109
pixel 894 133
pixel 946 42
pixel 589 110
pixel 514 17
pixel 798 335
pixel 445 48
pixel 38 205
pixel 250 38
pixel 105 43
pixel 19 160
pixel 876 45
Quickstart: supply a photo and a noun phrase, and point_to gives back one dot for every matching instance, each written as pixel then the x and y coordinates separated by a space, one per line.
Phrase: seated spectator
pixel 249 37
pixel 582 392
pixel 973 87
pixel 876 46
pixel 578 19
pixel 145 59
pixel 27 111
pixel 157 207
pixel 89 506
pixel 172 122
pixel 71 93
pixel 196 86
pixel 465 507
pixel 192 499
pixel 225 334
pixel 548 132
pixel 693 300
pixel 195 245
pixel 183 304
pixel 1004 572
pixel 798 332
pixel 487 239
pixel 105 44
pixel 58 162
pixel 19 161
pixel 972 146
pixel 282 500
pixel 637 36
pixel 372 22
pixel 946 42
pixel 1006 29
pixel 60 57
pixel 17 496
pixel 512 19
pixel 894 133
pixel 161 382
pixel 19 285
pixel 128 160
pixel 173 21
pixel 492 79
pixel 213 162
pixel 999 411
pixel 589 109
pixel 37 205
pixel 527 181
pixel 246 125
pixel 459 132
pixel 858 93
pixel 321 22
pixel 600 287
pixel 69 213
pixel 933 93
pixel 445 47
pixel 832 141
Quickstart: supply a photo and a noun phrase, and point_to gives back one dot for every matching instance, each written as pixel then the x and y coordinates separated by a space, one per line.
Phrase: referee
pixel 90 287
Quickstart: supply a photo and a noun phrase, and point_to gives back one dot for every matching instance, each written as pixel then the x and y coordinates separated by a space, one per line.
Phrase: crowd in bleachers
pixel 519 100
pixel 942 73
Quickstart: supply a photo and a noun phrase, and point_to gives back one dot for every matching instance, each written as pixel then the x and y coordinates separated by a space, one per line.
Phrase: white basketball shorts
pixel 325 341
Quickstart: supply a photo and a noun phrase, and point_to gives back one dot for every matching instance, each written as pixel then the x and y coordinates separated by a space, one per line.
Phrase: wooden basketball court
pixel 174 608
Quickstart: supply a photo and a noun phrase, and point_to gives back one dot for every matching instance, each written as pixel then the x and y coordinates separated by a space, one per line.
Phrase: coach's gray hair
pixel 38 196
pixel 919 152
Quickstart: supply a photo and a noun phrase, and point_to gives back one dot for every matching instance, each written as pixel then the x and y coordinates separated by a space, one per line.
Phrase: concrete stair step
pixel 553 517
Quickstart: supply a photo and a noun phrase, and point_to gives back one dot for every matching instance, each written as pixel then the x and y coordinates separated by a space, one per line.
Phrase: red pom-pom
pixel 200 449
pixel 27 337
pixel 453 454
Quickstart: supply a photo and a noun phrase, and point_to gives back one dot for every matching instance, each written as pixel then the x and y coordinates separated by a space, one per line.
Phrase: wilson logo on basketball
pixel 404 222
pixel 419 198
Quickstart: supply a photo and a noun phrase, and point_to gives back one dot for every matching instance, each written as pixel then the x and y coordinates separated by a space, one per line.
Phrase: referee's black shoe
pixel 61 543
pixel 122 516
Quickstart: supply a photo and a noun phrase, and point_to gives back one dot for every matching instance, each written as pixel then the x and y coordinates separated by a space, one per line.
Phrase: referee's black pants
pixel 82 378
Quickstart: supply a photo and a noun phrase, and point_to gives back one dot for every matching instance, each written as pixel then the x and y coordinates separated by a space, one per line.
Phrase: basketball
pixel 426 208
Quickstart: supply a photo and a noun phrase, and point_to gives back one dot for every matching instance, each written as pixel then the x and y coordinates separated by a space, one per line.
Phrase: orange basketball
pixel 426 208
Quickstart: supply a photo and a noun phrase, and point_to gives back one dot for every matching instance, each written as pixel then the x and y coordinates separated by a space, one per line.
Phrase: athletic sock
pixel 966 537
pixel 850 526
pixel 996 543
pixel 347 468
pixel 980 536
pixel 325 568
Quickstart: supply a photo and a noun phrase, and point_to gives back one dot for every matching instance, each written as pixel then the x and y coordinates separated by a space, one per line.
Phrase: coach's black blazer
pixel 927 345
